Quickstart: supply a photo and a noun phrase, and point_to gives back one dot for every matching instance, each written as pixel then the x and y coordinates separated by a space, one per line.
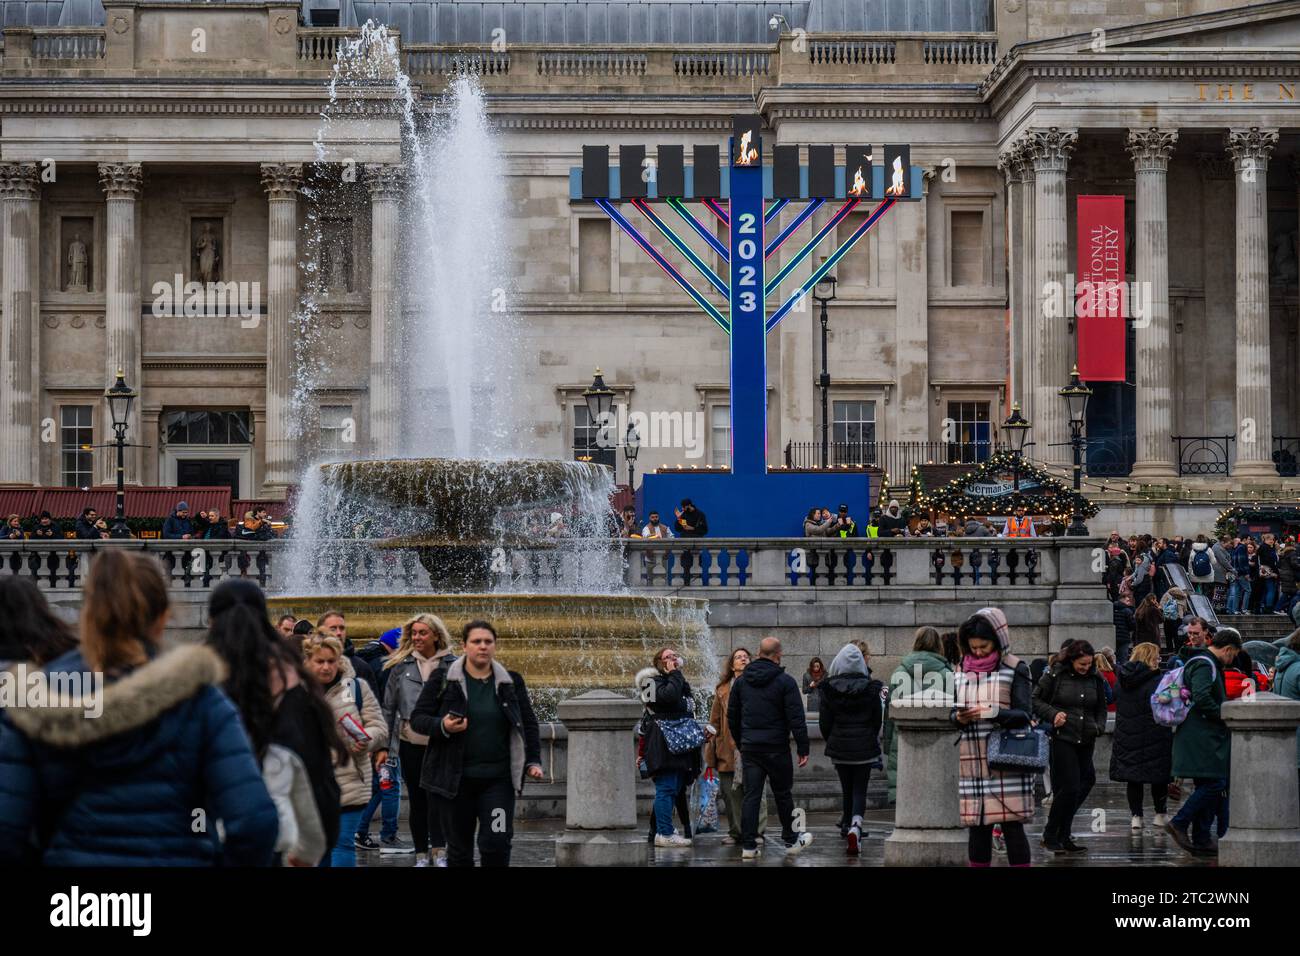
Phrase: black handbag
pixel 1018 751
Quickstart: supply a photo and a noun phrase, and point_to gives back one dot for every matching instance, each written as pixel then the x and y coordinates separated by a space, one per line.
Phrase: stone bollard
pixel 1263 792
pixel 600 827
pixel 927 827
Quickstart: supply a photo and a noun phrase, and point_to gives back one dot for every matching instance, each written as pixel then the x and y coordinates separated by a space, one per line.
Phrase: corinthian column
pixel 19 191
pixel 385 184
pixel 1049 151
pixel 1250 149
pixel 121 183
pixel 281 181
pixel 1150 149
pixel 1010 166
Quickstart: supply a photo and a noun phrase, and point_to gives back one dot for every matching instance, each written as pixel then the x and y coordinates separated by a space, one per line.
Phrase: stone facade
pixel 111 170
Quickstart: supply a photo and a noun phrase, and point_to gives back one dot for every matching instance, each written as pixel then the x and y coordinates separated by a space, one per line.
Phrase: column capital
pixel 1151 148
pixel 1250 148
pixel 121 180
pixel 1009 162
pixel 384 180
pixel 1050 149
pixel 19 181
pixel 282 180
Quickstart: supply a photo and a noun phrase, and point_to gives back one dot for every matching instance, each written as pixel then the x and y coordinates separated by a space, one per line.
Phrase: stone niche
pixel 336 261
pixel 209 249
pixel 77 273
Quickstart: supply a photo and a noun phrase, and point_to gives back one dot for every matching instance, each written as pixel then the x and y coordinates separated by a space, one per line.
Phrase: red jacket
pixel 1111 678
pixel 1236 682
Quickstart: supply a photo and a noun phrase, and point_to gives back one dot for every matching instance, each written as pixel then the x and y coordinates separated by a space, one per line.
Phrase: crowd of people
pixel 282 742
pixel 261 745
pixel 180 525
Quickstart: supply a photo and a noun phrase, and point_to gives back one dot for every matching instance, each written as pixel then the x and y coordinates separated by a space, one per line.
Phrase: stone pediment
pixel 1262 26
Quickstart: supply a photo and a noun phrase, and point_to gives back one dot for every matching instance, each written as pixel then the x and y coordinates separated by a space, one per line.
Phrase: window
pixel 586 436
pixel 720 435
pixel 593 255
pixel 337 428
pixel 853 433
pixel 967 432
pixel 207 428
pixel 855 268
pixel 967 228
pixel 76 429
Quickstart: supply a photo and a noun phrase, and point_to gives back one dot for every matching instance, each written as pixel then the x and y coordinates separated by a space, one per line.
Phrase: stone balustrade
pixel 188 565
pixel 312 51
pixel 990 563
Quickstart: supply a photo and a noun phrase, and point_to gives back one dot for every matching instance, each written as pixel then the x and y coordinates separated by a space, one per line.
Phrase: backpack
pixel 1201 566
pixel 1172 701
pixel 1170 610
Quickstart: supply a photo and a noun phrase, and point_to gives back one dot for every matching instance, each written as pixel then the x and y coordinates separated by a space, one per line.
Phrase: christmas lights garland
pixel 1048 499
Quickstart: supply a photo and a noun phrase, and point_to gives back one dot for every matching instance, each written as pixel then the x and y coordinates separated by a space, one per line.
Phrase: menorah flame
pixel 859 184
pixel 896 187
pixel 748 156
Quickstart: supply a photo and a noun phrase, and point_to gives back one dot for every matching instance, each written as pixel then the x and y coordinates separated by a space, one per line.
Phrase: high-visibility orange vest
pixel 1019 527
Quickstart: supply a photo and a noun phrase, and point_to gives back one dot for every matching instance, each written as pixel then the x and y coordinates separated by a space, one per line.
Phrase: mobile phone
pixel 455 715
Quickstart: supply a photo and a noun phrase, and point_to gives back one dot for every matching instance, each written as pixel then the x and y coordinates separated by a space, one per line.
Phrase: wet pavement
pixel 1103 827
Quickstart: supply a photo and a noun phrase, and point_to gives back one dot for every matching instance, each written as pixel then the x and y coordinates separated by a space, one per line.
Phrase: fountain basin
pixel 562 644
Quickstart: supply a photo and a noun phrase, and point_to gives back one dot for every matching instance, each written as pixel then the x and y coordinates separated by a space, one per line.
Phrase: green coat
pixel 1203 743
pixel 901 685
pixel 1288 683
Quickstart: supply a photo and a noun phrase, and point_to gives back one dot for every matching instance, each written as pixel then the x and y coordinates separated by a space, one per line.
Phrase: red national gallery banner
pixel 1101 300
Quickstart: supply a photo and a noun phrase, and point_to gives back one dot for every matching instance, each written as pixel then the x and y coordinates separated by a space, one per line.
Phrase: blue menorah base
pixel 756 506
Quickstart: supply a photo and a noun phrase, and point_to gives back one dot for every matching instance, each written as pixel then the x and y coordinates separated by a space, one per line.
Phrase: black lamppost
pixel 1017 429
pixel 631 448
pixel 823 293
pixel 1076 396
pixel 119 397
pixel 600 400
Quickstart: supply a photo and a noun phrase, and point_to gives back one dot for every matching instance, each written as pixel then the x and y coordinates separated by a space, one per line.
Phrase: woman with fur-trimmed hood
pixel 993 692
pixel 123 789
pixel 423 652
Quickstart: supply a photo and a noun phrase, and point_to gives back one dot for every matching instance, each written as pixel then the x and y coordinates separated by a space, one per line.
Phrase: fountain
pixel 521 541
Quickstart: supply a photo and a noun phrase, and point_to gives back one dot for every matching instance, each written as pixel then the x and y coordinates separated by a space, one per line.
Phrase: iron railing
pixel 1286 455
pixel 1200 455
pixel 1110 457
pixel 894 457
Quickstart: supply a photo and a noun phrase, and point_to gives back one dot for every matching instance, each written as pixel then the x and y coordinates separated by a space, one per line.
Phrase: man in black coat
pixel 763 712
pixel 691 522
pixel 1125 626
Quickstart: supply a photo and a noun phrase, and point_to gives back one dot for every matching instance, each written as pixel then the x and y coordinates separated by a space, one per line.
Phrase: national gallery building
pixel 148 142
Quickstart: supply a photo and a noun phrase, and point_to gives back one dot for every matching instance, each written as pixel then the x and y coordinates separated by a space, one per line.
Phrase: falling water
pixel 459 376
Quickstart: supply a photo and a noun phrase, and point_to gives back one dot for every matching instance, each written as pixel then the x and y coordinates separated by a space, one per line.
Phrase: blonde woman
pixel 360 722
pixel 423 652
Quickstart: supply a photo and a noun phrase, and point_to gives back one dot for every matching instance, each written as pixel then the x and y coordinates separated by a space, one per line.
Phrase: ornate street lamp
pixel 1017 428
pixel 824 293
pixel 631 448
pixel 119 397
pixel 1076 396
pixel 600 401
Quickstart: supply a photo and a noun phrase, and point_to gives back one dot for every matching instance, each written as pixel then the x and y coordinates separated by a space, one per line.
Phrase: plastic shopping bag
pixel 706 807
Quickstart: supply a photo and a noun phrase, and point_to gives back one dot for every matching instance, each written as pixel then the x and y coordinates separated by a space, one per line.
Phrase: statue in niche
pixel 207 256
pixel 337 276
pixel 78 265
pixel 1285 268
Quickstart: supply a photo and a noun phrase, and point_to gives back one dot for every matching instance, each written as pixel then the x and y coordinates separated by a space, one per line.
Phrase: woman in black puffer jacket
pixel 850 718
pixel 1142 752
pixel 1070 699
pixel 668 696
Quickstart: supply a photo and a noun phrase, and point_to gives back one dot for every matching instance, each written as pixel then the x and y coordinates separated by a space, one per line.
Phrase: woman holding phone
pixel 667 696
pixel 483 743
pixel 360 722
pixel 993 692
